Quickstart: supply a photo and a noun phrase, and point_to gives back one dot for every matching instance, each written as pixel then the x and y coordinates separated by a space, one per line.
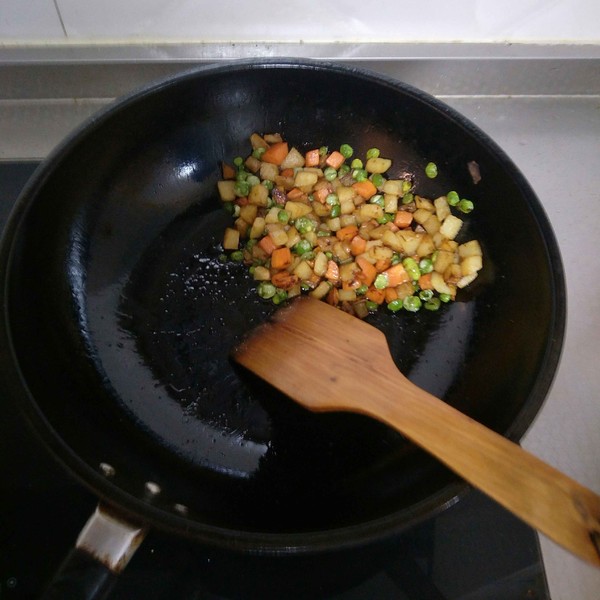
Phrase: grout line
pixel 62 23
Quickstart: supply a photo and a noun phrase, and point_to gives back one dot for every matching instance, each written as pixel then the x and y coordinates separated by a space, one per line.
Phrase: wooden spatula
pixel 348 362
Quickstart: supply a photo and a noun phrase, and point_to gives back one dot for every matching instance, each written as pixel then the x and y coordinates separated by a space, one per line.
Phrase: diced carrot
pixel 368 271
pixel 281 258
pixel 382 264
pixel 335 159
pixel 321 194
pixel 333 271
pixel 375 295
pixel 333 296
pixel 403 219
pixel 365 189
pixel 390 294
pixel 228 171
pixel 287 172
pixel 267 244
pixel 312 158
pixel 275 153
pixel 425 282
pixel 358 245
pixel 284 280
pixel 346 233
pixel 295 193
pixel 396 275
pixel 242 201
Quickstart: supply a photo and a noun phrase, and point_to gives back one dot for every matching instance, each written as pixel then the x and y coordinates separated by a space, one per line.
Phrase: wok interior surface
pixel 121 315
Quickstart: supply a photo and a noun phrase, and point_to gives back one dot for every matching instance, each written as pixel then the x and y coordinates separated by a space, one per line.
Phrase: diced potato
pixel 272 215
pixel 449 245
pixel 471 264
pixel 303 270
pixel 259 195
pixel 405 289
pixel 321 210
pixel 346 220
pixel 346 295
pixel 370 211
pixel 279 237
pixel 432 225
pixel 231 239
pixel 273 138
pixel 347 206
pixel 378 165
pixel 450 227
pixel 424 203
pixel 320 266
pixel 268 171
pixel 297 209
pixel 471 248
pixel 377 233
pixel 334 224
pixel 257 229
pixel 390 203
pixel 293 160
pixel 393 186
pixel 261 273
pixel 421 215
pixel 348 271
pixel 321 290
pixel 453 273
pixel 443 260
pixel 257 141
pixel 253 164
pixel 442 208
pixel 466 280
pixel 340 251
pixel 248 213
pixel 241 226
pixel 311 237
pixel 426 247
pixel 392 240
pixel 345 193
pixel 226 190
pixel 438 283
pixel 305 179
pixel 294 291
pixel 410 240
pixel 293 237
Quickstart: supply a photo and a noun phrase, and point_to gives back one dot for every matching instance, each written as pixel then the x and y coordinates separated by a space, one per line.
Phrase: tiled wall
pixel 126 21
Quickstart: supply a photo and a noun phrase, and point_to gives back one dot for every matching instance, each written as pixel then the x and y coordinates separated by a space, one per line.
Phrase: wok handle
pixel 102 550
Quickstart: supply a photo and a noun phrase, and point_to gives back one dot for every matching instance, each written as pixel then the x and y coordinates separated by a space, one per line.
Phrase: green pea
pixel 237 256
pixel 377 180
pixel 241 188
pixel 408 198
pixel 445 297
pixel 426 265
pixel 381 281
pixel 258 152
pixel 432 304
pixel 251 243
pixel 453 198
pixel 465 206
pixel 387 218
pixel 283 216
pixel 302 247
pixel 356 164
pixel 396 258
pixel 268 184
pixel 426 295
pixel 395 305
pixel 280 296
pixel 266 290
pixel 373 153
pixel 412 303
pixel 332 199
pixel 360 175
pixel 362 289
pixel 372 306
pixel 229 207
pixel 323 151
pixel 346 150
pixel 377 199
pixel 330 173
pixel 406 186
pixel 336 210
pixel 252 180
pixel 304 225
pixel 343 170
pixel 412 268
pixel 238 161
pixel 431 170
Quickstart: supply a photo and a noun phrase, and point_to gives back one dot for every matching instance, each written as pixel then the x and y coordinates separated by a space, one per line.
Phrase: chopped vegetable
pixel 308 221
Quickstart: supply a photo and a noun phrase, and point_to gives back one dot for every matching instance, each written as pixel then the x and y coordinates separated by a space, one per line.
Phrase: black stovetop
pixel 472 551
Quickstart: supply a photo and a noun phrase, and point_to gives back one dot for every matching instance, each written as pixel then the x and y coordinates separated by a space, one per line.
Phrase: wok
pixel 119 316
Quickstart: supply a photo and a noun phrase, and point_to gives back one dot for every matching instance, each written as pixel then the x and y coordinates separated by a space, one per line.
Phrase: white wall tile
pixel 303 20
pixel 30 20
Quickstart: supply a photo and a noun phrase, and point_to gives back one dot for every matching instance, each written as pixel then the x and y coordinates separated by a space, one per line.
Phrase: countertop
pixel 540 104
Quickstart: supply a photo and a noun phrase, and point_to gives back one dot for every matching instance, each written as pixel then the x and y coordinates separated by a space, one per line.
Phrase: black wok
pixel 119 316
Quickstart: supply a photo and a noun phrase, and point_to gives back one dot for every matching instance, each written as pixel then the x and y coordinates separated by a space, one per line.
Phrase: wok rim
pixel 140 509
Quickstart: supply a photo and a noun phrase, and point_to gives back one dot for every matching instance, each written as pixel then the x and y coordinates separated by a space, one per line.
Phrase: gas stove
pixel 474 550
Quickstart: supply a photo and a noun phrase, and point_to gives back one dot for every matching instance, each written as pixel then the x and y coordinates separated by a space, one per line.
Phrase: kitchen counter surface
pixel 541 106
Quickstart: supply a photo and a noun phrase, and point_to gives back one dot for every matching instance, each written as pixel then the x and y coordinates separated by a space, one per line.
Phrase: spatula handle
pixel 540 495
